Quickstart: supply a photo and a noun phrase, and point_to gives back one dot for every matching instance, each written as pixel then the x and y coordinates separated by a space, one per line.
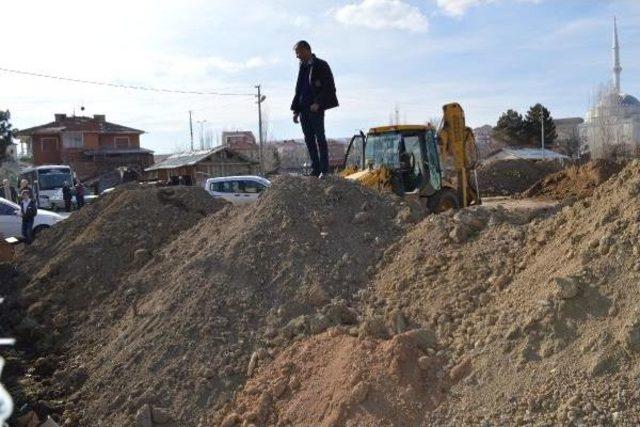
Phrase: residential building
pixel 293 154
pixel 487 145
pixel 92 146
pixel 483 135
pixel 242 142
pixel 337 150
pixel 194 167
pixel 567 128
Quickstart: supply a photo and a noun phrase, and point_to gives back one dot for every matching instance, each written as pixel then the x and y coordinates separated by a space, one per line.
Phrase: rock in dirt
pixel 633 336
pixel 567 287
pixel 424 339
pixel 359 392
pixel 461 370
pixel 143 416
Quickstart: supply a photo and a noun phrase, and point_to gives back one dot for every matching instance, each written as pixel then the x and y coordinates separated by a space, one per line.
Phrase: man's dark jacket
pixel 322 86
pixel 30 212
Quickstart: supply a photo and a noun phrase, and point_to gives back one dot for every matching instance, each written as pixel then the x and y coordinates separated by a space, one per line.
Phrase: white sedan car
pixel 11 222
pixel 237 189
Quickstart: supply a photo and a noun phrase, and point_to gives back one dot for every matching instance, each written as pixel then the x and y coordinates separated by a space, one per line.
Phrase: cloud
pixel 383 14
pixel 459 7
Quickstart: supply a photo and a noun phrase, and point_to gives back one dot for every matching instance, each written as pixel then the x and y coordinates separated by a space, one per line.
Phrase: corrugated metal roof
pixel 528 154
pixel 190 158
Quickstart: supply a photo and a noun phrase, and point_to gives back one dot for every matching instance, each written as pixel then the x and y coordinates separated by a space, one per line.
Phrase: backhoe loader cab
pixel 412 159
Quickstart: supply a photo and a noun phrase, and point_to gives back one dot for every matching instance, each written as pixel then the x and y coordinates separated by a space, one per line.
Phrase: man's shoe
pixel 321 176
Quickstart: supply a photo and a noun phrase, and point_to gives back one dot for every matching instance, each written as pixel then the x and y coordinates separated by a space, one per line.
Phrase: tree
pixel 571 145
pixel 6 133
pixel 510 127
pixel 533 125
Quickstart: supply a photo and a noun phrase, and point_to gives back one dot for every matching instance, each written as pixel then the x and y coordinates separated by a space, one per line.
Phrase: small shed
pixel 194 167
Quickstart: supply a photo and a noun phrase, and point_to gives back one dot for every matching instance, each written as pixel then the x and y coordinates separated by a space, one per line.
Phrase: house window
pixel 49 144
pixel 121 142
pixel 72 139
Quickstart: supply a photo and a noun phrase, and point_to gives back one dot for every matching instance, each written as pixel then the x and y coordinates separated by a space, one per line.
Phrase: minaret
pixel 617 69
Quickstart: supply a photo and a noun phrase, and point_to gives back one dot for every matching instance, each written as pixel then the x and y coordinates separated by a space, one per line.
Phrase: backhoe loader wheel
pixel 443 200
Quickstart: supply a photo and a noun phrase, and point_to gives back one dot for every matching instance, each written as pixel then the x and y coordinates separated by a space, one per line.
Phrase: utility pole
pixel 261 99
pixel 191 129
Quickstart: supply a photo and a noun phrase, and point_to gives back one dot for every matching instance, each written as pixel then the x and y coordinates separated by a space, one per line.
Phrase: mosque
pixel 612 124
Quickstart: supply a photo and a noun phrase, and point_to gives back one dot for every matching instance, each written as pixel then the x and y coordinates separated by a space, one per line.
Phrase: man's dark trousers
pixel 27 230
pixel 313 129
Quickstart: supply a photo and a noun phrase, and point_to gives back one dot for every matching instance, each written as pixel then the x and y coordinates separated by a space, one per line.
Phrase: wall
pixel 52 153
pixel 107 141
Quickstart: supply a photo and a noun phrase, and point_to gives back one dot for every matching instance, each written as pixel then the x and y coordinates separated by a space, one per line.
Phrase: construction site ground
pixel 326 303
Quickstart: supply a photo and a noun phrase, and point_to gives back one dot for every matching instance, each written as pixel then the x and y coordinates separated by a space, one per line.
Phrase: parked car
pixel 237 189
pixel 11 222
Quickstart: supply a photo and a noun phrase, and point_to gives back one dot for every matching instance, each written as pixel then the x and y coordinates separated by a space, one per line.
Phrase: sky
pixel 416 55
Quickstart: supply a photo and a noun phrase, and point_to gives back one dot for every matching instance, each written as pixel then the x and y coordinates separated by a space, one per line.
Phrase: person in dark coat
pixel 24 185
pixel 79 194
pixel 315 93
pixel 66 196
pixel 28 212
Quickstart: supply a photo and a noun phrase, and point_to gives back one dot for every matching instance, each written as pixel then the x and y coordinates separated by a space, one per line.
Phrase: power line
pixel 122 86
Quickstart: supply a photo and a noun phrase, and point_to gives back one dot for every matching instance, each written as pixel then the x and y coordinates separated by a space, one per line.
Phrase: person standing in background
pixel 28 212
pixel 79 194
pixel 9 191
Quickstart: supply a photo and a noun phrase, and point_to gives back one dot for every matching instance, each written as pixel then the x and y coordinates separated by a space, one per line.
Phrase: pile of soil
pixel 72 276
pixel 337 379
pixel 81 259
pixel 513 176
pixel 532 322
pixel 575 182
pixel 227 294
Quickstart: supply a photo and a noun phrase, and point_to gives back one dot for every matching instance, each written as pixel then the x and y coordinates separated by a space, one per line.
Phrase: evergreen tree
pixel 533 126
pixel 6 133
pixel 510 127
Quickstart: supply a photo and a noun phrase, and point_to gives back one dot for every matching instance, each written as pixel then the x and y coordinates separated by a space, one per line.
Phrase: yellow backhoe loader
pixel 437 166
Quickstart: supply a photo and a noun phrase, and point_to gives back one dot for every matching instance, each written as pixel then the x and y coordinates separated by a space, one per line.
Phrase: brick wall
pixel 46 149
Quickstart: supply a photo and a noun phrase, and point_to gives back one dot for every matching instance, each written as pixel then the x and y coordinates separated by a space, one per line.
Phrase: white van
pixel 11 221
pixel 237 189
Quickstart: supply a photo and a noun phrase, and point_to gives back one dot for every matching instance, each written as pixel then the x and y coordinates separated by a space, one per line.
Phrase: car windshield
pixel 383 149
pixel 51 179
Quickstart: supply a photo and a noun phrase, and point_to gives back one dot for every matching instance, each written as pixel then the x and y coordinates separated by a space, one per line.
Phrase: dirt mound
pixel 575 182
pixel 231 291
pixel 545 313
pixel 534 322
pixel 336 379
pixel 81 259
pixel 70 278
pixel 513 176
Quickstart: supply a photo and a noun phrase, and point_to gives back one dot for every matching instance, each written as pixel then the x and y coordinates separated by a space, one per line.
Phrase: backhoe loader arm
pixel 457 141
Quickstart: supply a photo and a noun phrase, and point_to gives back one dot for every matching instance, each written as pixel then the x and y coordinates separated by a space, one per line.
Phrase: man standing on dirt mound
pixel 315 93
